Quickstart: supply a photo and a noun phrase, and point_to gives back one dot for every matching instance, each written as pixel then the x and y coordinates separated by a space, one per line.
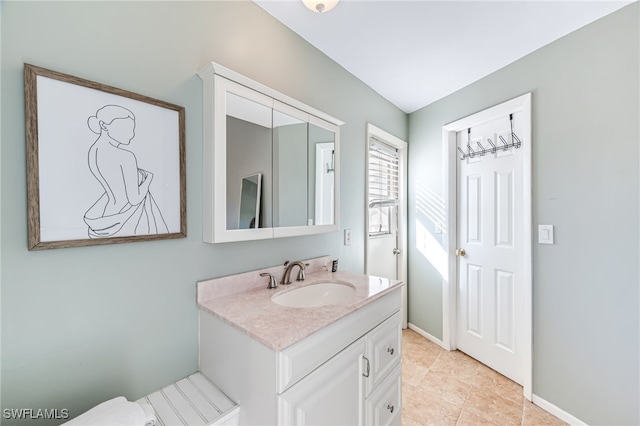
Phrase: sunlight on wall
pixel 431 249
pixel 431 205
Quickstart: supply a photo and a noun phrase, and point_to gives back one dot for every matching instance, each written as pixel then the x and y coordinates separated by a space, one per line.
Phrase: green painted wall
pixel 586 335
pixel 85 324
pixel 82 325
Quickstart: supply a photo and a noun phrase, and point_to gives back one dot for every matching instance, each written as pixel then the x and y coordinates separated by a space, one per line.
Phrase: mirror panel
pixel 322 174
pixel 248 147
pixel 289 170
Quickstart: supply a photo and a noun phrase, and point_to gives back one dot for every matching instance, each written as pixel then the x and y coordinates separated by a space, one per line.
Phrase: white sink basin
pixel 314 295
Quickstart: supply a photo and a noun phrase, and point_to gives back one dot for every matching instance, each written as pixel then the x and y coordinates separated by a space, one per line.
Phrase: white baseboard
pixel 428 336
pixel 557 411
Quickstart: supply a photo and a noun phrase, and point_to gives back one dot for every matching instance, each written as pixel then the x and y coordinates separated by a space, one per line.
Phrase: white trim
pixel 556 411
pixel 214 68
pixel 428 336
pixel 401 146
pixel 450 158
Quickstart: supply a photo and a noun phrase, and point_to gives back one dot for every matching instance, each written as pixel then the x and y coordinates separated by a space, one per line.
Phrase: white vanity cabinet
pixel 330 395
pixel 348 372
pixel 364 375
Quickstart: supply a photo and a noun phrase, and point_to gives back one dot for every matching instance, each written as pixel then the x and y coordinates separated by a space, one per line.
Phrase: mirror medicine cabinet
pixel 271 163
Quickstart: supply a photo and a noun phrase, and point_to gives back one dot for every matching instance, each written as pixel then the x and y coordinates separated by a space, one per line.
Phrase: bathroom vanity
pixel 338 363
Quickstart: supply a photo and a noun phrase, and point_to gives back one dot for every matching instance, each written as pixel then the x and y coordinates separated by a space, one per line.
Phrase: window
pixel 383 187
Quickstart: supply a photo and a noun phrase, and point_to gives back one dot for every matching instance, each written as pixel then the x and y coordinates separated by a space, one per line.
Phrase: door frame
pixel 450 280
pixel 401 146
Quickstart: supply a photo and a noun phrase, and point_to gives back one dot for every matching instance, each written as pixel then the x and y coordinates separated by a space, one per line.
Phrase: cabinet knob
pixel 390 350
pixel 390 407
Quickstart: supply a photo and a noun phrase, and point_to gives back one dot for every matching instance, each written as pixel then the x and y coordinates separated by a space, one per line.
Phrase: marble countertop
pixel 250 309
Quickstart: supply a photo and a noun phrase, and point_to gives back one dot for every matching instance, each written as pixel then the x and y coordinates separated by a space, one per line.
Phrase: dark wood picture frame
pixel 106 221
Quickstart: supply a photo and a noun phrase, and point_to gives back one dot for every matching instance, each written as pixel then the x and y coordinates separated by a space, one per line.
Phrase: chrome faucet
pixel 288 266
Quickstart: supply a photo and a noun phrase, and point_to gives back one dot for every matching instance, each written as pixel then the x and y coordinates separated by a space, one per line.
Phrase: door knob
pixel 460 252
pixel 396 251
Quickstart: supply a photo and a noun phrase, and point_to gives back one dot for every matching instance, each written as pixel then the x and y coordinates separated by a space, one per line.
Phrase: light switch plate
pixel 347 237
pixel 439 228
pixel 545 234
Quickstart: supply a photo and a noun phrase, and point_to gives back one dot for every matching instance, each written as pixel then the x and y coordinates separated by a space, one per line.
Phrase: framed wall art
pixel 104 165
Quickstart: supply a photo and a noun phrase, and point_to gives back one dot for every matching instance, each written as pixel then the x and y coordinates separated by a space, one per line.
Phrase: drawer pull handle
pixel 390 408
pixel 390 350
pixel 366 372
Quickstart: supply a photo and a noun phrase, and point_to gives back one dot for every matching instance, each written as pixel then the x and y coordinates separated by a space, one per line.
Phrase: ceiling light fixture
pixel 320 6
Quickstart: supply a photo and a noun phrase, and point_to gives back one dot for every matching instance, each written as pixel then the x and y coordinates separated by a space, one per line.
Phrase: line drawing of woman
pixel 126 207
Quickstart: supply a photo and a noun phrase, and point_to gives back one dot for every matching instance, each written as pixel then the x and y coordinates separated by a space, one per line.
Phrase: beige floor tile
pixel 419 352
pixel 488 379
pixel 490 408
pixel 428 409
pixel 408 393
pixel 445 388
pixel 412 372
pixel 458 365
pixel 451 388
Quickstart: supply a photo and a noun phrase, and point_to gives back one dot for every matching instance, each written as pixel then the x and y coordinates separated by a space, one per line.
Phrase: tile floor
pixel 450 388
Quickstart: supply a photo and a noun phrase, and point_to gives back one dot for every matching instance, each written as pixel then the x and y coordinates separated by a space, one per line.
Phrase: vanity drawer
pixel 384 405
pixel 384 350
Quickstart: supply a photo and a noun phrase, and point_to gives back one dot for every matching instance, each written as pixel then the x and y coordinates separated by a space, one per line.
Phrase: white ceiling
pixel 416 52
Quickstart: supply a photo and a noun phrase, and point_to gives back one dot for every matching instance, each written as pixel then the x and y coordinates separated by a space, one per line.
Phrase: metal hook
pixel 517 142
pixel 472 153
pixel 482 150
pixel 463 154
pixel 493 147
pixel 504 143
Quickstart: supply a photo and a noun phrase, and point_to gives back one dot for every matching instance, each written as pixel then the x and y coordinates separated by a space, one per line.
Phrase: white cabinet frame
pixel 217 82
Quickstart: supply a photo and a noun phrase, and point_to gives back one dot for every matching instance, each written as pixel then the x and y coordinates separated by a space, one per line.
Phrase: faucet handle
pixel 301 275
pixel 273 283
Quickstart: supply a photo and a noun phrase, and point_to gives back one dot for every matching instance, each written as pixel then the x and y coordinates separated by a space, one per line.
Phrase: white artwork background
pixel 67 186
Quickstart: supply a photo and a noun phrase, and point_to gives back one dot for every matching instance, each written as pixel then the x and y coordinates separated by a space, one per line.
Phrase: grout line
pixel 466 398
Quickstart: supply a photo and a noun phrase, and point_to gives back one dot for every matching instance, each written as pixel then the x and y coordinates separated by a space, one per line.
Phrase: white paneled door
pixel 490 240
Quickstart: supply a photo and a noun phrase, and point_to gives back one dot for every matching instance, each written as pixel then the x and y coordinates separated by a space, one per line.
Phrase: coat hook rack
pixel 331 168
pixel 481 150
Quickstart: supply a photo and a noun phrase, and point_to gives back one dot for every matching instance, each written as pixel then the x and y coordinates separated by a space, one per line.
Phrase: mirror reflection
pixel 250 191
pixel 249 148
pixel 289 171
pixel 321 175
pixel 280 168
